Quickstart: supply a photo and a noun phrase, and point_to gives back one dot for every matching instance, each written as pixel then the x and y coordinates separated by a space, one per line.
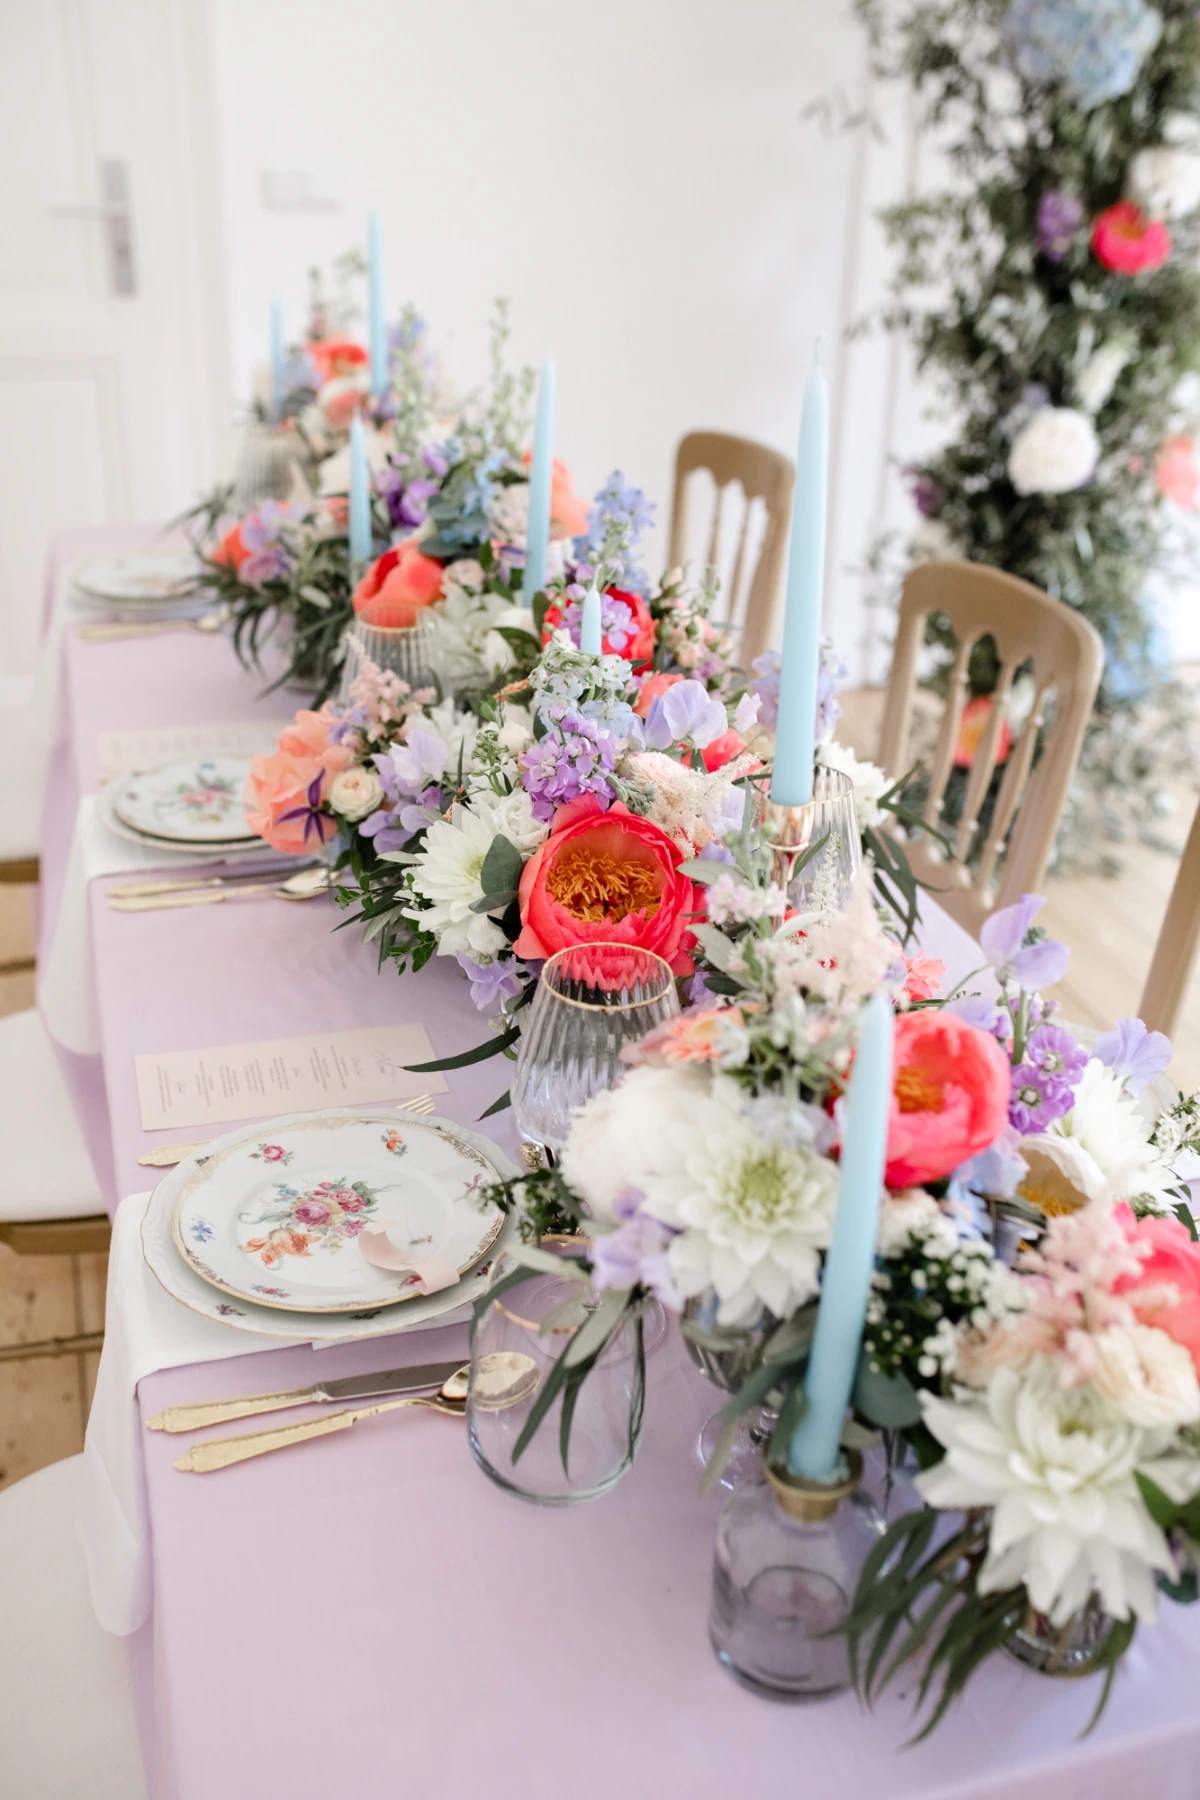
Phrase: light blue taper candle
pixel 376 332
pixel 360 495
pixel 590 631
pixel 846 1280
pixel 278 359
pixel 795 732
pixel 537 531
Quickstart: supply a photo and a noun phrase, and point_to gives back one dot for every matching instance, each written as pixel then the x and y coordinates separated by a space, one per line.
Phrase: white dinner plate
pixel 147 578
pixel 196 801
pixel 246 851
pixel 271 1214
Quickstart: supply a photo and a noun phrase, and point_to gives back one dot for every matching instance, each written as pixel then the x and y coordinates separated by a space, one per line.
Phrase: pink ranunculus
pixel 1166 1291
pixel 280 791
pixel 651 688
pixel 397 587
pixel 950 1088
pixel 1177 472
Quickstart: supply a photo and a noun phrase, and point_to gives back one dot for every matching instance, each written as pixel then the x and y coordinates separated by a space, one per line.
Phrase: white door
pixel 114 387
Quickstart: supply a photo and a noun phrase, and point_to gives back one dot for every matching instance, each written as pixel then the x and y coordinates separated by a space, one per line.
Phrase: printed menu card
pixel 284 1075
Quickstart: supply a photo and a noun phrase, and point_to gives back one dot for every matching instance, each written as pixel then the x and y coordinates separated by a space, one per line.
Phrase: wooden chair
pixel 1067 657
pixel 1175 952
pixel 763 475
pixel 19 813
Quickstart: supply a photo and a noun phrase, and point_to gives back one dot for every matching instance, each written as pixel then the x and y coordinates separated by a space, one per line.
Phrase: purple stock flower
pixel 686 710
pixel 1042 1085
pixel 1004 936
pixel 1059 217
pixel 927 492
pixel 575 758
pixel 490 982
pixel 617 623
pixel 266 565
pixel 1132 1052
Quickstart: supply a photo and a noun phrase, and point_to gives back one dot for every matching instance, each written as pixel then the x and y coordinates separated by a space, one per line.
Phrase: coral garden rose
pixel 285 791
pixel 636 643
pixel 1177 473
pixel 1129 243
pixel 950 1088
pixel 232 550
pixel 605 877
pixel 1166 1291
pixel 399 585
pixel 568 513
pixel 971 728
pixel 335 356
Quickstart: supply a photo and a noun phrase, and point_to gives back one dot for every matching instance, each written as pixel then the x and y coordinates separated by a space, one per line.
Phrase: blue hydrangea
pixel 1093 47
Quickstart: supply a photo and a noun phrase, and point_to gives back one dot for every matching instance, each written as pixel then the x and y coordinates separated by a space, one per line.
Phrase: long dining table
pixel 367 1614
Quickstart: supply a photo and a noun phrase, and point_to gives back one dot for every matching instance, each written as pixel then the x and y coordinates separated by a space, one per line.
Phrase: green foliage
pixel 990 317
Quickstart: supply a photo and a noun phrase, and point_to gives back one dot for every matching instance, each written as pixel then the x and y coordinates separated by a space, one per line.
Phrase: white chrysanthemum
pixel 753 1209
pixel 447 872
pixel 465 621
pixel 1098 377
pixel 457 730
pixel 1055 451
pixel 868 780
pixel 1100 1150
pixel 1057 1466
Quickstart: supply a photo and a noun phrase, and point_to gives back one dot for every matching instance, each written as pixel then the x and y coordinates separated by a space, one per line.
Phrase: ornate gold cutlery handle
pixel 220 1453
pixel 198 1413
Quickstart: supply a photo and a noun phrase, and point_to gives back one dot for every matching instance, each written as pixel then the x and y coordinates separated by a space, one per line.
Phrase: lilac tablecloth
pixel 368 1615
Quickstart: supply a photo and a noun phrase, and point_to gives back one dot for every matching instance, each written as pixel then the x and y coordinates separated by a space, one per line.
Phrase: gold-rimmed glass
pixel 414 652
pixel 591 1001
pixel 816 851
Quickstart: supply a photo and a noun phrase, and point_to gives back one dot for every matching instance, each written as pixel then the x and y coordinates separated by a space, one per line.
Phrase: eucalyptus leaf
pixel 502 866
pixel 594 1334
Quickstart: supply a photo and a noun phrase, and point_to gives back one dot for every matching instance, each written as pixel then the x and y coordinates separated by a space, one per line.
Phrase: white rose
pixel 466 573
pixel 355 793
pixel 1054 452
pixel 1165 182
pixel 513 818
pixel 869 782
pixel 1148 1377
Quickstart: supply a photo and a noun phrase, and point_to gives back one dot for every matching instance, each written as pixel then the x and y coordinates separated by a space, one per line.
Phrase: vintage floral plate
pixel 196 801
pixel 271 1214
pixel 146 579
pixel 179 1279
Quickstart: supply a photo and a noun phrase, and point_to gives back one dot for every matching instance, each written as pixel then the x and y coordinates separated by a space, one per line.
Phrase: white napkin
pixel 66 983
pixel 145 1330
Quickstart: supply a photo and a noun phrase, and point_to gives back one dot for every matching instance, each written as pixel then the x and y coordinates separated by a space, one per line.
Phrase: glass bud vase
pixel 532 1323
pixel 1068 1649
pixel 788 1557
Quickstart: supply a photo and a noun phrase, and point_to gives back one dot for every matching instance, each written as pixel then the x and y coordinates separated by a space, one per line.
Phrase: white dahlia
pixel 1057 1466
pixel 1055 451
pixel 448 871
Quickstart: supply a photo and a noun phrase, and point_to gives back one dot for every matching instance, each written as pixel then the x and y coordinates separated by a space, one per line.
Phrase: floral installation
pixel 1053 296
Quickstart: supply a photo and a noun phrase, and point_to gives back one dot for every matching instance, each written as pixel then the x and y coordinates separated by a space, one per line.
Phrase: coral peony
pixel 285 792
pixel 627 628
pixel 1177 473
pixel 232 549
pixel 1166 1291
pixel 605 877
pixel 335 356
pixel 397 587
pixel 1129 243
pixel 974 720
pixel 950 1096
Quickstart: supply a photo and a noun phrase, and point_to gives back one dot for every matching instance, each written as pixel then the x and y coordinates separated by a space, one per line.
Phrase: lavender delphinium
pixel 619 502
pixel 576 757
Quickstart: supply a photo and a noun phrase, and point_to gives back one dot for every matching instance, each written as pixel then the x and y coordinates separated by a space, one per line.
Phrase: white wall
pixel 636 176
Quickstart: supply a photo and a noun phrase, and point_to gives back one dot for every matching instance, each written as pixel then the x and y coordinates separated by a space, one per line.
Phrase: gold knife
pixel 170 1154
pixel 144 890
pixel 194 1415
pixel 219 1453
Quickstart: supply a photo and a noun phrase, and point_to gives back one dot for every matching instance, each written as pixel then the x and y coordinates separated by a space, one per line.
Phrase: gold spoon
pixel 501 1379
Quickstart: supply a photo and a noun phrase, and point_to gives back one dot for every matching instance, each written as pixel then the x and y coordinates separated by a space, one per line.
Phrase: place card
pixel 284 1075
pixel 149 749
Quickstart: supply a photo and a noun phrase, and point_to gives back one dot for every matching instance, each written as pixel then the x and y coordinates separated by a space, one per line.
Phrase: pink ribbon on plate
pixel 429 1273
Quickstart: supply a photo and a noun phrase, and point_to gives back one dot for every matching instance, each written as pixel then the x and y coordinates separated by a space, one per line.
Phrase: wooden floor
pixel 1110 925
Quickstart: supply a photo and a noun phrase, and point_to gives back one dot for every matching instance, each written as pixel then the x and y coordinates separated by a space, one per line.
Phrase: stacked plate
pixel 147 584
pixel 194 805
pixel 260 1229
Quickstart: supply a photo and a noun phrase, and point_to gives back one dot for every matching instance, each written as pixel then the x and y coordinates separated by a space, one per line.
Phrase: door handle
pixel 115 210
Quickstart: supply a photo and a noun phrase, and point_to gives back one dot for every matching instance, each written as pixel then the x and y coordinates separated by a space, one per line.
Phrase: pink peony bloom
pixel 1177 473
pixel 950 1087
pixel 1166 1290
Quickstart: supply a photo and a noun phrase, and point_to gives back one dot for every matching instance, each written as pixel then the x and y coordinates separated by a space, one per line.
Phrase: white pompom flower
pixel 1055 451
pixel 1165 181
